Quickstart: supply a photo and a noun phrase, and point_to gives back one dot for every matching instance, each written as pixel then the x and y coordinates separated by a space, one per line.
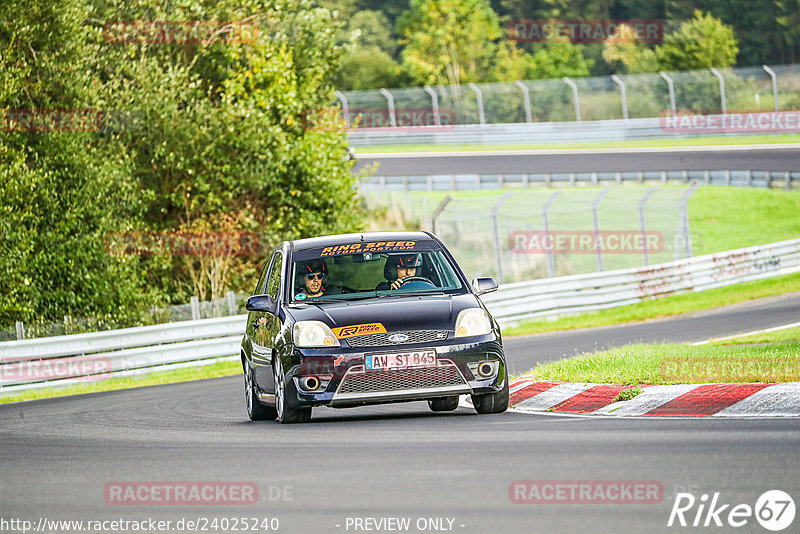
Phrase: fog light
pixel 486 369
pixel 312 383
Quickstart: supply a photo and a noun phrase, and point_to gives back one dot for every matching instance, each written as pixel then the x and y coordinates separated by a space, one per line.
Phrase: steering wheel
pixel 417 279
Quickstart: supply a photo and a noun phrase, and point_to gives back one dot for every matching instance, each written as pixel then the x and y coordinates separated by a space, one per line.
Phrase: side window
pixel 274 282
pixel 261 281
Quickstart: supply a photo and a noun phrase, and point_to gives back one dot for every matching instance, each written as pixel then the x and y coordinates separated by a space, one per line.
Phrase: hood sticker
pixel 359 330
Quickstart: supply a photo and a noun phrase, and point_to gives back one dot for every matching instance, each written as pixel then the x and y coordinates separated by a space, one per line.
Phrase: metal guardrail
pixel 64 360
pixel 597 291
pixel 466 182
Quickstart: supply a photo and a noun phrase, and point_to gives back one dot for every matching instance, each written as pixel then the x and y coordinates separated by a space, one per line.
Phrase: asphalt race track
pixel 767 157
pixel 360 466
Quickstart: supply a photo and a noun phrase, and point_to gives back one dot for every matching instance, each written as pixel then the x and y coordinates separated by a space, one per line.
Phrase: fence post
pixel 495 227
pixel 231 296
pixel 642 202
pixel 575 100
pixel 621 84
pixel 195 303
pixel 345 108
pixel 774 86
pixel 671 87
pixel 722 99
pixel 390 103
pixel 551 264
pixel 438 211
pixel 434 104
pixel 526 100
pixel 20 330
pixel 479 95
pixel 596 223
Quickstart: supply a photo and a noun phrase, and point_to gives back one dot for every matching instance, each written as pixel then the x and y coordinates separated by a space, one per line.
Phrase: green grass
pixel 766 357
pixel 646 143
pixel 158 377
pixel 664 307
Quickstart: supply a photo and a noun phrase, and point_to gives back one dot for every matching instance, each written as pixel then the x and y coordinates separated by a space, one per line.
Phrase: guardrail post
pixel 498 253
pixel 195 304
pixel 596 223
pixel 575 101
pixel 642 202
pixel 774 85
pixel 671 87
pixel 621 84
pixel 345 108
pixel 434 104
pixel 479 95
pixel 20 330
pixel 390 103
pixel 551 264
pixel 438 211
pixel 231 296
pixel 526 94
pixel 722 98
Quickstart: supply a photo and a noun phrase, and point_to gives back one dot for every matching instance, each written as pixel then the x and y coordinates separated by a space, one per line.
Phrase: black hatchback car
pixel 370 318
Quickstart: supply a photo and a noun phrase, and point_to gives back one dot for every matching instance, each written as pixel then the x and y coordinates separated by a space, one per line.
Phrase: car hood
pixel 394 313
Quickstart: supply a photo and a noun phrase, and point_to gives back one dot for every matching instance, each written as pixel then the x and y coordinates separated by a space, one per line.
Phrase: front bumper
pixel 350 384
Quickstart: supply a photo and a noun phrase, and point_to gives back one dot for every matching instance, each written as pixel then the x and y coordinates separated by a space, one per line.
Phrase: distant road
pixel 754 157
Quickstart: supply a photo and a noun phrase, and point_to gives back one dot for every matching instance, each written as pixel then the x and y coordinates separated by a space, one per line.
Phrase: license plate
pixel 400 360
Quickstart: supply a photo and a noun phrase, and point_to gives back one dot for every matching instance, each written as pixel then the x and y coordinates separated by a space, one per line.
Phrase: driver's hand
pixel 396 284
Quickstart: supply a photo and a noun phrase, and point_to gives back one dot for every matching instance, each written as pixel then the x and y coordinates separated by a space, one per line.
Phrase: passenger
pixel 398 268
pixel 315 279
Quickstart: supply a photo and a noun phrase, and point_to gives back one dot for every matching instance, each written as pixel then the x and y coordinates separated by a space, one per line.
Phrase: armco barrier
pixel 596 291
pixel 142 349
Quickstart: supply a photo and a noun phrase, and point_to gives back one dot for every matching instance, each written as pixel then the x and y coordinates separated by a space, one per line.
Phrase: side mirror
pixel 484 285
pixel 261 303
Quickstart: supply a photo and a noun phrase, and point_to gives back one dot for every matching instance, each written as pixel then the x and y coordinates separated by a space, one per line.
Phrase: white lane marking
pixel 649 399
pixel 557 151
pixel 778 400
pixel 754 332
pixel 553 396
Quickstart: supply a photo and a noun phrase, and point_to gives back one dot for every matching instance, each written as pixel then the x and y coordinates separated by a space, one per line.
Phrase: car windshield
pixel 372 270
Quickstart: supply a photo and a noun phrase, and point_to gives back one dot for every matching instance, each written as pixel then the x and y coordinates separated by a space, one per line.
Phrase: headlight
pixel 473 322
pixel 313 334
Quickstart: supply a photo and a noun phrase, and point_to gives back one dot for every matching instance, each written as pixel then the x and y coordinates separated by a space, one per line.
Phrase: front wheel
pixel 447 404
pixel 255 410
pixel 285 414
pixel 492 402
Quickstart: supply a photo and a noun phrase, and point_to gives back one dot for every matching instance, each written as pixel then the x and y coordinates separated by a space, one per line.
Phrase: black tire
pixel 492 402
pixel 286 414
pixel 255 410
pixel 447 404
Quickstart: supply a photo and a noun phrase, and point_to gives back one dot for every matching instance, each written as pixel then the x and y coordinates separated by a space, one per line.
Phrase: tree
pixel 702 42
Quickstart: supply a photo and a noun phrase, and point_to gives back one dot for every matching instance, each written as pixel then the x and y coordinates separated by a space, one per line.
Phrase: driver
pixel 398 268
pixel 315 278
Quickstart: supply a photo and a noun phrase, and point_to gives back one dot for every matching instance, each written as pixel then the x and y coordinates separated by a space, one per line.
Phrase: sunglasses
pixel 314 276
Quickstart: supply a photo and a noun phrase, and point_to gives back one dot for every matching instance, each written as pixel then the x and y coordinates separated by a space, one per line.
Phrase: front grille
pixel 402 379
pixel 380 340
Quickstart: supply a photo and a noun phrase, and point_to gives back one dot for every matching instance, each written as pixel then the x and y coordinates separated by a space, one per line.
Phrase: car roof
pixel 346 239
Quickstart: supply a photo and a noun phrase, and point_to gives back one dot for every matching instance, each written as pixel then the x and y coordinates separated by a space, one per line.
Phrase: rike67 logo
pixel 774 510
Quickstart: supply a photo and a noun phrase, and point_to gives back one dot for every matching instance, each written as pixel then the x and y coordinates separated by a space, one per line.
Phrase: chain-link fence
pixel 231 304
pixel 707 92
pixel 521 235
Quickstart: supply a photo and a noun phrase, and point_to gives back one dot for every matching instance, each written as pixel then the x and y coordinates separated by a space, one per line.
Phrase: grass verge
pixel 664 307
pixel 153 379
pixel 644 143
pixel 769 357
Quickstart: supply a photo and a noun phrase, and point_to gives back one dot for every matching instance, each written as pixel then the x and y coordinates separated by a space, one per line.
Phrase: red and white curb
pixel 684 400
